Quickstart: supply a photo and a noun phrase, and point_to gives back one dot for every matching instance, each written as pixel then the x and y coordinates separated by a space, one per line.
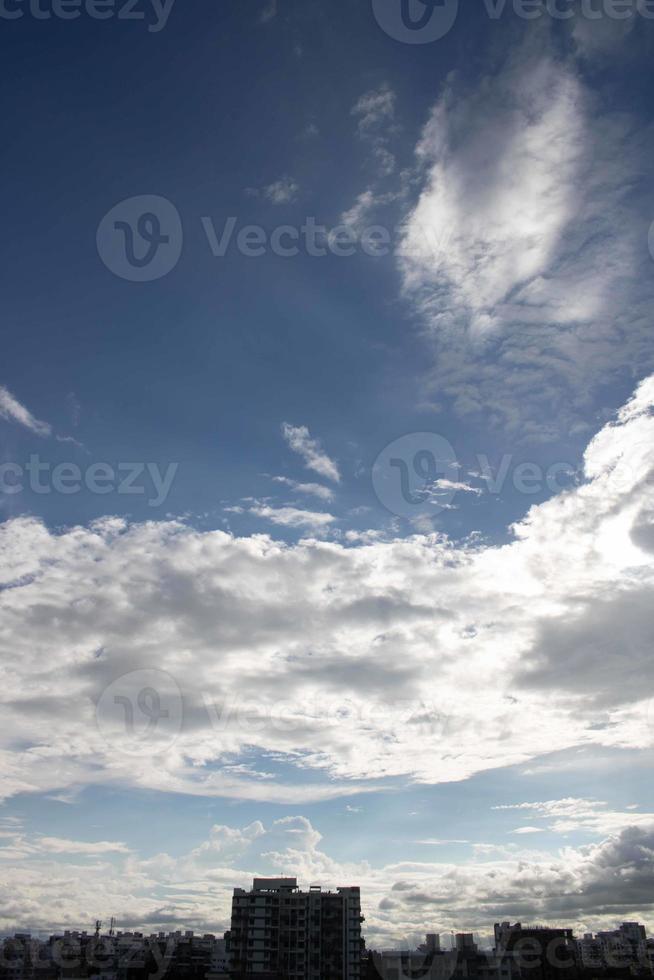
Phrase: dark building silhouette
pixel 279 931
pixel 538 952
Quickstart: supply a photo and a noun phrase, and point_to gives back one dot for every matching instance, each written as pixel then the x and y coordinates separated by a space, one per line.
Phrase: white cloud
pixel 444 485
pixel 226 843
pixel 376 128
pixel 315 458
pixel 20 844
pixel 374 109
pixel 59 845
pixel 437 842
pixel 282 191
pixel 12 410
pixel 572 814
pixel 375 114
pixel 525 253
pixel 346 660
pixel 292 516
pixel 508 198
pixel 313 489
pixel 356 216
pixel 581 887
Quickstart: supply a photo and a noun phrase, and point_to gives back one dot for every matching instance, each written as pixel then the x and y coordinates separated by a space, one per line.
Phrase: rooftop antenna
pixel 111 925
pixel 98 926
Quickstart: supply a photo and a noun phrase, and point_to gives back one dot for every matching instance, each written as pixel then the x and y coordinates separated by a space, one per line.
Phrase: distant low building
pixel 430 962
pixel 625 949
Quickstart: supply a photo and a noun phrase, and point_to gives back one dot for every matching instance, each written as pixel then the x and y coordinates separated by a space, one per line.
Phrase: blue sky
pixel 372 530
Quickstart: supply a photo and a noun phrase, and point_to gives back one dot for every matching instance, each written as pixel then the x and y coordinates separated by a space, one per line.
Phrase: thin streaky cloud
pixel 315 458
pixel 282 191
pixel 293 516
pixel 314 489
pixel 13 411
pixel 437 842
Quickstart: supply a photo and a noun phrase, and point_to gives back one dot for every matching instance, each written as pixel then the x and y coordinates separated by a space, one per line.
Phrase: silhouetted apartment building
pixel 279 931
pixel 538 952
pixel 625 948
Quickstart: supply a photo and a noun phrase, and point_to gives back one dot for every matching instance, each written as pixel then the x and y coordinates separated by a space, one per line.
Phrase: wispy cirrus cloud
pixel 374 109
pixel 438 842
pixel 61 845
pixel 288 516
pixel 282 191
pixel 313 489
pixel 572 814
pixel 299 439
pixel 12 410
pixel 375 113
pixel 540 295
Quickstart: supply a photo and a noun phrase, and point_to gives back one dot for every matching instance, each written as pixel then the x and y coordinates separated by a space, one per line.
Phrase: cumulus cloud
pixel 583 887
pixel 348 660
pixel 315 458
pixel 12 410
pixel 586 887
